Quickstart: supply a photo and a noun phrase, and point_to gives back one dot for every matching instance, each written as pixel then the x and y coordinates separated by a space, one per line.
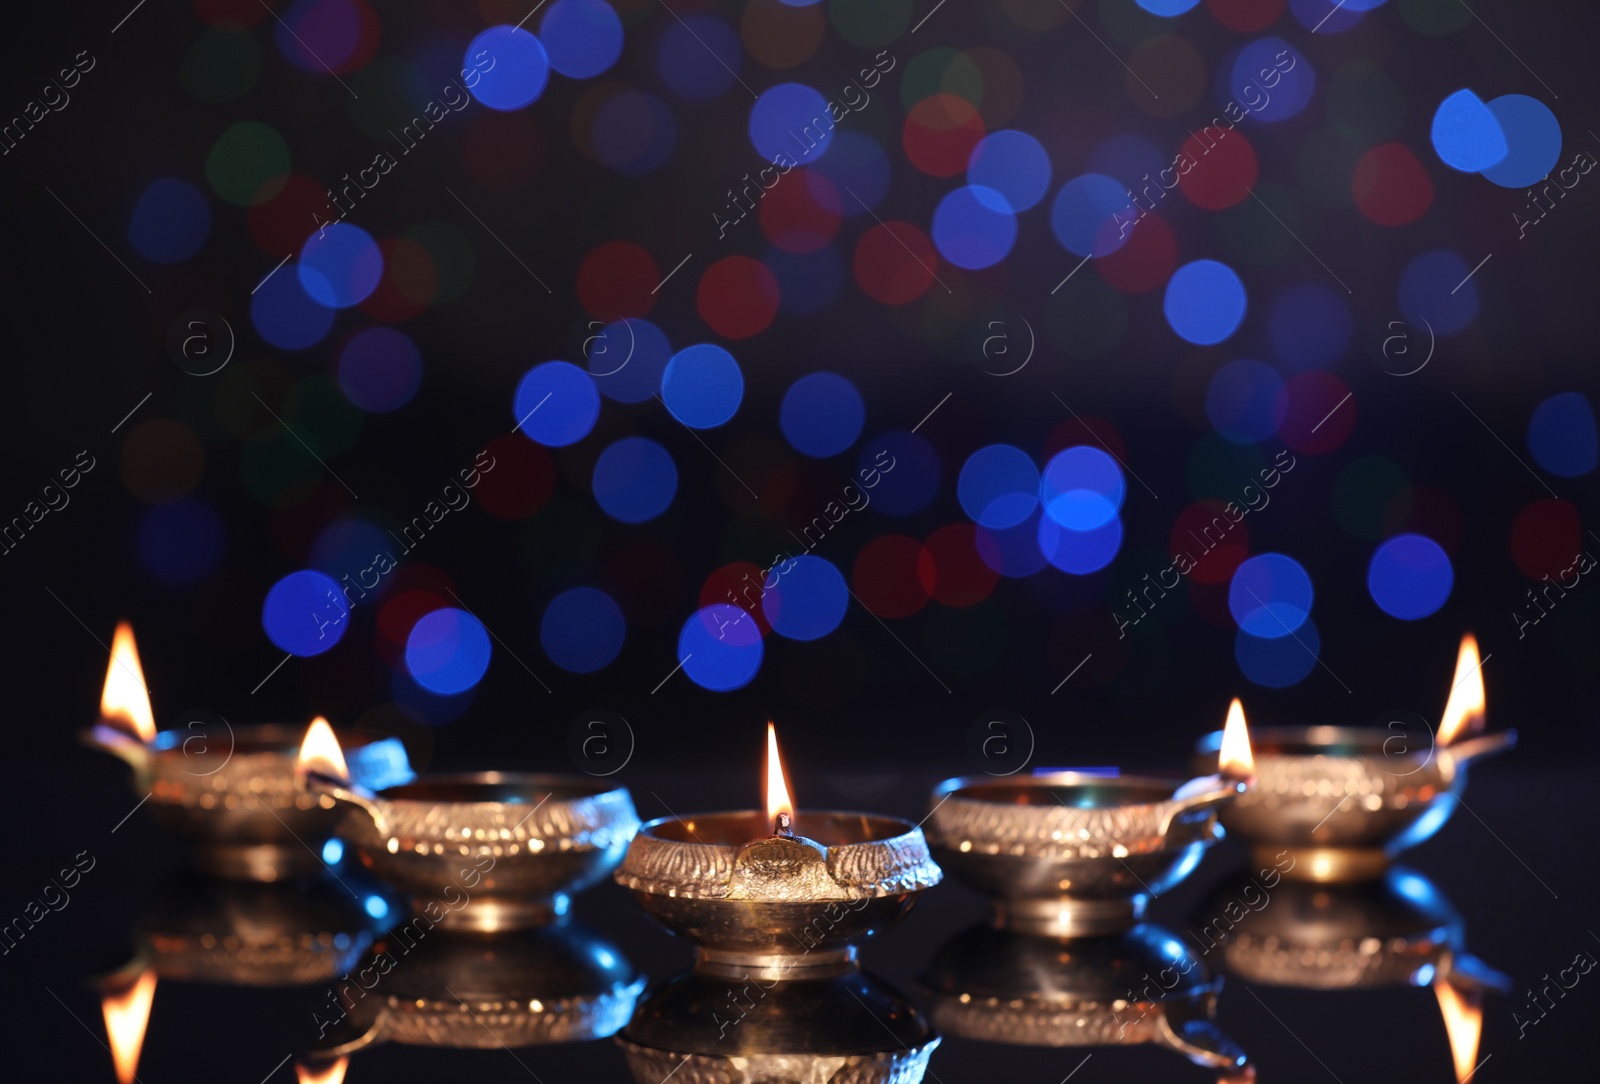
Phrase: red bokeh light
pixel 801 213
pixel 615 280
pixel 1211 539
pixel 951 569
pixel 894 263
pixel 887 576
pixel 1546 538
pixel 1315 422
pixel 1390 186
pixel 1145 262
pixel 939 134
pixel 522 480
pixel 738 297
pixel 1224 170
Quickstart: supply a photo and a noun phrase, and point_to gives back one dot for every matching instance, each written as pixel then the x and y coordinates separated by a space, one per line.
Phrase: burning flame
pixel 125 700
pixel 320 752
pixel 127 1016
pixel 778 800
pixel 1236 760
pixel 331 1072
pixel 1463 1022
pixel 1463 712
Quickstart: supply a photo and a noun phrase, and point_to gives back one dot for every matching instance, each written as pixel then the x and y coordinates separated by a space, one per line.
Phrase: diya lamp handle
pixel 1225 790
pixel 342 790
pixel 119 743
pixel 1483 745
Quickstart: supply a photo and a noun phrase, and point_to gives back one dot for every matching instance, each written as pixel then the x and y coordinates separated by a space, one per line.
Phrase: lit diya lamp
pixel 230 789
pixel 780 894
pixel 1341 802
pixel 1071 854
pixel 480 851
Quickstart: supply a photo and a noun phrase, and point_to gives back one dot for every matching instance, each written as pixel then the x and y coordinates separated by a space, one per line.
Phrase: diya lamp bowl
pixel 234 792
pixel 1072 854
pixel 1343 801
pixel 847 1028
pixel 227 933
pixel 560 983
pixel 487 850
pixel 761 903
pixel 1140 986
pixel 1397 930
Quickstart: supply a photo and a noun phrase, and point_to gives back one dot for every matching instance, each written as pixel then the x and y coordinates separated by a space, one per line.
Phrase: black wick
pixel 785 826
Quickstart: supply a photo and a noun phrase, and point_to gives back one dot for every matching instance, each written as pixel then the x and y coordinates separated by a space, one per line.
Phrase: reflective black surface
pixel 1510 883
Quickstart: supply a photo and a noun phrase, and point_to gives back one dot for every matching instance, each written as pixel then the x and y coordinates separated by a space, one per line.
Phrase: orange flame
pixel 1464 711
pixel 320 752
pixel 125 701
pixel 1236 760
pixel 127 1016
pixel 331 1072
pixel 778 800
pixel 1463 1022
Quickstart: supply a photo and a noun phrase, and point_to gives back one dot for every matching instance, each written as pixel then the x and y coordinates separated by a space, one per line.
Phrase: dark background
pixel 863 722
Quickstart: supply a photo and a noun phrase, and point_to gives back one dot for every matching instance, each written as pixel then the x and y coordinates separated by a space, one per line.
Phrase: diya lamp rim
pixel 908 831
pixel 1367 742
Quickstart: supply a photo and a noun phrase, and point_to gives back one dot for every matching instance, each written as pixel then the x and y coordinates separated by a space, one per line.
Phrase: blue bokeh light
pixel 720 647
pixel 808 601
pixel 340 265
pixel 181 543
pixel 1410 577
pixel 808 282
pixel 626 359
pixel 858 162
pixel 1080 552
pixel 582 630
pixel 1278 662
pixel 1534 138
pixel 1092 215
pixel 998 486
pixel 911 479
pixel 1562 436
pixel 1466 135
pixel 376 906
pixel 1286 88
pixel 973 227
pixel 285 315
pixel 305 613
pixel 635 133
pixel 333 852
pixel 681 57
pixel 1246 401
pixel 519 70
pixel 1436 287
pixel 1167 8
pixel 380 369
pixel 635 480
pixel 556 404
pixel 447 651
pixel 1310 327
pixel 1013 164
pixel 1205 302
pixel 170 222
pixel 582 38
pixel 821 415
pixel 1131 159
pixel 1270 595
pixel 790 122
pixel 1012 551
pixel 1081 489
pixel 702 386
